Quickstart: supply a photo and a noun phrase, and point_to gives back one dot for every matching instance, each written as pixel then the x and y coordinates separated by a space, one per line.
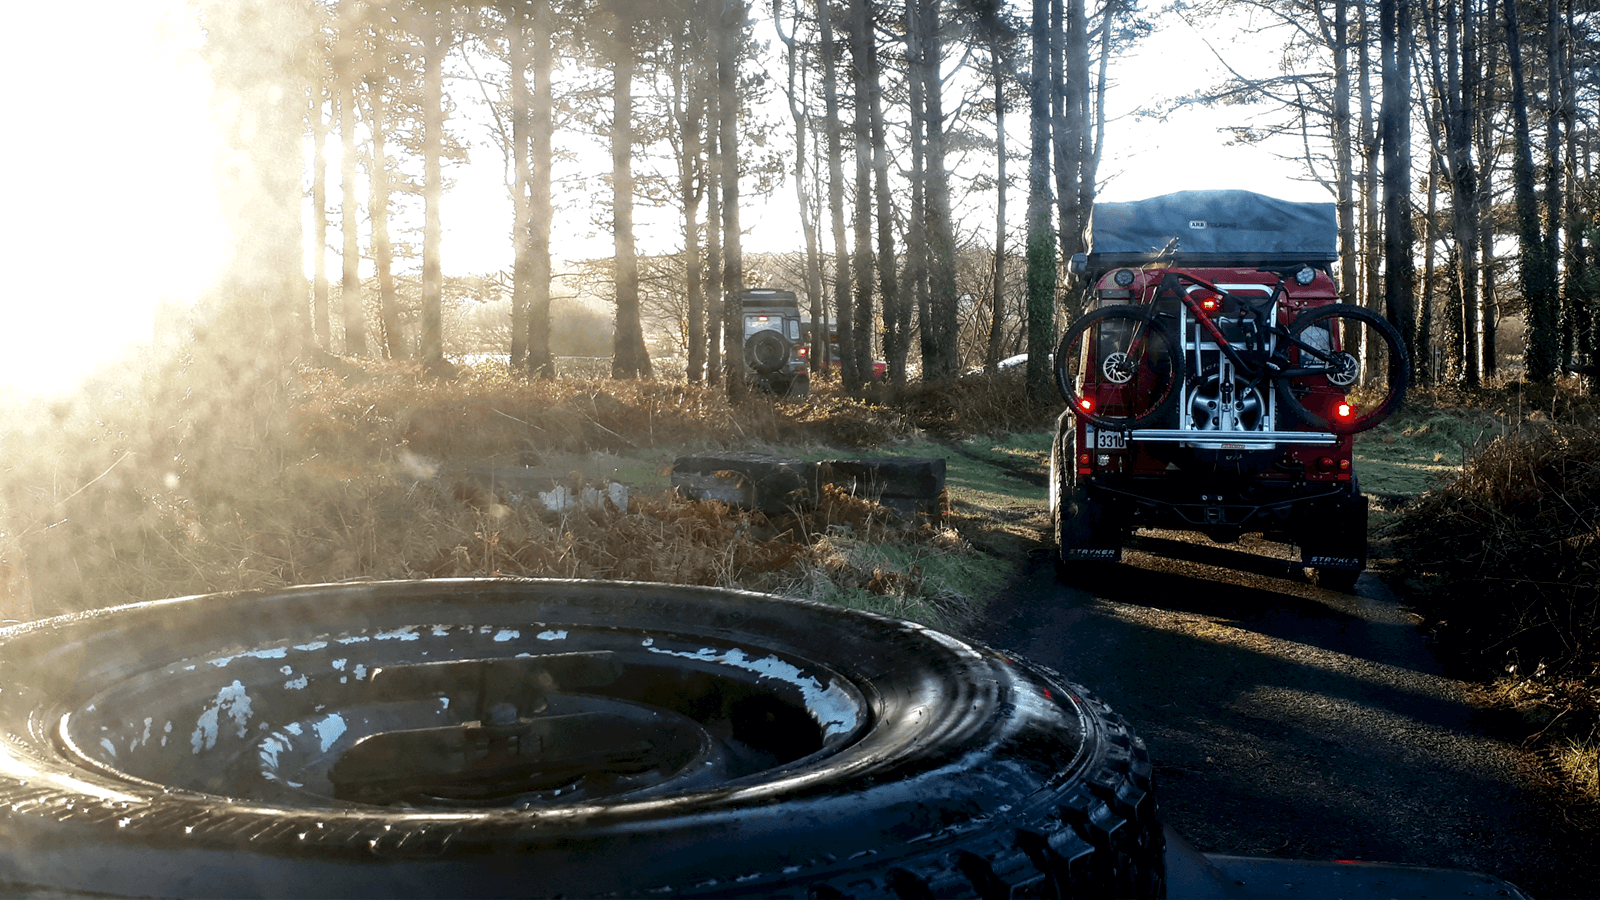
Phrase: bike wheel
pixel 1119 367
pixel 1347 369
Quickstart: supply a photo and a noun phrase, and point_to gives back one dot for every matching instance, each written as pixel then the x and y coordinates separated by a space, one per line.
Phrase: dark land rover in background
pixel 773 341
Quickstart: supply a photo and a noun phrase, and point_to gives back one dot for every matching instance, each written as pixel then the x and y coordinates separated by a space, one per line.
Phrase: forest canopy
pixel 1453 137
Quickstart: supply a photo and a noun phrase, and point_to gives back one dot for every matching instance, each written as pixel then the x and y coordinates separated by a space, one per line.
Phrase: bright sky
pixel 112 209
pixel 1147 158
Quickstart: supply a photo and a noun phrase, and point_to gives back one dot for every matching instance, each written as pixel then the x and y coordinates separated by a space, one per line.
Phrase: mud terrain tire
pixel 182 748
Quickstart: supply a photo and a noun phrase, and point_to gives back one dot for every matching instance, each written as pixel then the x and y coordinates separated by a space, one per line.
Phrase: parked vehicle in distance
pixel 880 368
pixel 772 341
pixel 1214 382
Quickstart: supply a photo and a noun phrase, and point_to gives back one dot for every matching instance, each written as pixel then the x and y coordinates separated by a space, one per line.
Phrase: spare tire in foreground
pixel 544 738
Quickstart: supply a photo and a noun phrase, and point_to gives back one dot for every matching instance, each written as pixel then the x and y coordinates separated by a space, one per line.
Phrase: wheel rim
pixel 323 724
pixel 1209 409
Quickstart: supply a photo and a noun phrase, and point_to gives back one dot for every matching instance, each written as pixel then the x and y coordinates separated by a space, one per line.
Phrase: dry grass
pixel 1503 560
pixel 1560 716
pixel 1580 762
pixel 210 478
pixel 1506 557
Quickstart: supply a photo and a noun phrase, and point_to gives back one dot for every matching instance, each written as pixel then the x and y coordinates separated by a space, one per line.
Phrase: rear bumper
pixel 1201 505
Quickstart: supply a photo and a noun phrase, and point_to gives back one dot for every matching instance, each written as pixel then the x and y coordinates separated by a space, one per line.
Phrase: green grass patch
pixel 940 587
pixel 1419 449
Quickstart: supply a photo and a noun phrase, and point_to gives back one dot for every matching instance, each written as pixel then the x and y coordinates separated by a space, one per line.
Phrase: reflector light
pixel 1083 459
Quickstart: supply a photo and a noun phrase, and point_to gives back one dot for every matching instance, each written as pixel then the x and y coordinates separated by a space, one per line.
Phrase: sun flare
pixel 114 210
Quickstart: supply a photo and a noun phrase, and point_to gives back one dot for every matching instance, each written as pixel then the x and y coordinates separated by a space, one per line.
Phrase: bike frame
pixel 1275 365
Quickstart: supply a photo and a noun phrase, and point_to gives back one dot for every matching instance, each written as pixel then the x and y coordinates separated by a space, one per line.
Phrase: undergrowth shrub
pixel 1506 558
pixel 210 478
pixel 1504 562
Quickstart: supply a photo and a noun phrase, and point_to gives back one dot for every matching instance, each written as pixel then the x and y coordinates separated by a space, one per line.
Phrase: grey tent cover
pixel 1233 227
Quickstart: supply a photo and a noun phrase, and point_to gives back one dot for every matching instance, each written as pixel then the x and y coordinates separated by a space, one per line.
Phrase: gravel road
pixel 1290 721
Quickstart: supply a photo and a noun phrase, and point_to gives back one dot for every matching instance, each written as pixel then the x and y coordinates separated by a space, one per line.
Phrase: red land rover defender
pixel 1215 381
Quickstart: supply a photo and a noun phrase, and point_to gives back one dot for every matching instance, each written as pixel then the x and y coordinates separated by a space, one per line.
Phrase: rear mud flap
pixel 1087 530
pixel 1340 540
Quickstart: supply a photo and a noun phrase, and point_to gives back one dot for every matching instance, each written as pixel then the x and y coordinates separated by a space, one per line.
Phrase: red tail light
pixel 1085 404
pixel 1210 304
pixel 1344 411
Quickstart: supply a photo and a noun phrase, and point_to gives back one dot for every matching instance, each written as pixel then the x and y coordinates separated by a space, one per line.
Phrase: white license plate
pixel 1110 440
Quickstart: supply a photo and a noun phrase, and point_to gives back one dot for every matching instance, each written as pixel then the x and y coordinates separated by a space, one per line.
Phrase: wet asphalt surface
pixel 1290 721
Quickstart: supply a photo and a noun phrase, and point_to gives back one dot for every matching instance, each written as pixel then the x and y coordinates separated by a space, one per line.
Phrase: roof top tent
pixel 767 297
pixel 1233 228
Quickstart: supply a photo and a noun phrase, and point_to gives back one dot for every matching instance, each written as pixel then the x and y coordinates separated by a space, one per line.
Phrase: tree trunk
pixel 1475 69
pixel 692 108
pixel 888 286
pixel 1425 344
pixel 835 134
pixel 392 340
pixel 997 306
pixel 1458 118
pixel 731 33
pixel 1399 289
pixel 941 230
pixel 1041 248
pixel 540 209
pixel 1343 142
pixel 1542 340
pixel 628 356
pixel 436 41
pixel 856 346
pixel 319 216
pixel 896 341
pixel 1065 179
pixel 355 330
pixel 521 178
pixel 715 301
pixel 1577 287
pixel 1080 143
pixel 1555 50
pixel 808 224
pixel 1371 235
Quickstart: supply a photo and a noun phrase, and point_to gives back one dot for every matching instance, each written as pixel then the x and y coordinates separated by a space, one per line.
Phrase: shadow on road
pixel 1292 721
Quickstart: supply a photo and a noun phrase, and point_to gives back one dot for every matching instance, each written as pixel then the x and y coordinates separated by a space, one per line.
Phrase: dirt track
pixel 1290 721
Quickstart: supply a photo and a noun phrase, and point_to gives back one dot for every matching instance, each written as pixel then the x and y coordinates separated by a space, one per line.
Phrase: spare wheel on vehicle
pixel 552 738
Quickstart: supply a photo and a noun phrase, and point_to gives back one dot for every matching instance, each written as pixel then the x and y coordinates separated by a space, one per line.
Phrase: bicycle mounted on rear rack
pixel 1216 388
